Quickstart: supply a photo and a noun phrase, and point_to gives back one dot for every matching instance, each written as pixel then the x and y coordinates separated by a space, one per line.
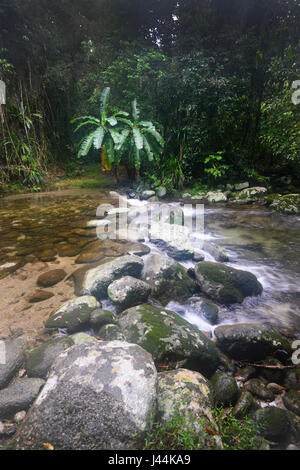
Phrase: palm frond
pixel 148 149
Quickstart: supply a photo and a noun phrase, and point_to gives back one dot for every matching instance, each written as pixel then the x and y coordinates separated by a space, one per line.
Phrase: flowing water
pixel 52 226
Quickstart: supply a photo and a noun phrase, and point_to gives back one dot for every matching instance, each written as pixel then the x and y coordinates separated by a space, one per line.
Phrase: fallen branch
pixel 280 367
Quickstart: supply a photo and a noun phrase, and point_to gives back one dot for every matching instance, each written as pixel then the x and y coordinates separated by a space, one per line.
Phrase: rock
pixel 258 388
pixel 161 192
pixel 198 256
pixel 20 416
pixel 18 396
pixel 250 342
pixel 39 295
pixel 128 292
pixel 114 194
pixel 216 196
pixel 186 196
pixel 225 389
pixel 101 317
pixel 207 309
pixel 138 249
pixel 169 338
pixel 80 338
pixel 225 284
pixel 40 359
pixel 73 314
pixel 275 388
pixel 95 281
pixel 184 393
pixel 274 422
pixel 272 375
pixel 291 380
pixel 101 249
pixel 147 194
pixel 98 396
pixel 168 279
pixel 246 373
pixel 216 251
pixel 252 194
pixel 240 186
pixel 175 239
pixel 111 332
pixel 291 401
pixel 243 405
pixel 12 355
pixel 289 203
pixel 50 278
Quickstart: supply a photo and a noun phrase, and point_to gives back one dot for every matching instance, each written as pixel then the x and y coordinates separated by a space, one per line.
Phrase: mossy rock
pixel 101 317
pixel 243 406
pixel 292 401
pixel 111 332
pixel 169 338
pixel 225 389
pixel 251 342
pixel 128 291
pixel 275 423
pixel 40 359
pixel 73 315
pixel 168 279
pixel 225 284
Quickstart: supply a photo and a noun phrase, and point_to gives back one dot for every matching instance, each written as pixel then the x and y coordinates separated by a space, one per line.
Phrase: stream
pixel 49 227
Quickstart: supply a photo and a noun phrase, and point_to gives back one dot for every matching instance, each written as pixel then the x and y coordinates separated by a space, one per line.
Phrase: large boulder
pixel 251 342
pixel 128 291
pixel 169 338
pixel 225 284
pixel 168 279
pixel 73 315
pixel 19 396
pixel 174 238
pixel 40 359
pixel 12 355
pixel 95 281
pixel 98 396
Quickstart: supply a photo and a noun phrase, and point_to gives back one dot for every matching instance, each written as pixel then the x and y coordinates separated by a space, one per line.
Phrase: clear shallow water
pixel 257 240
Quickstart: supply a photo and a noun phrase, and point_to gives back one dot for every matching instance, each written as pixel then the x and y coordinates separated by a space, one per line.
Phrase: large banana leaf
pixel 104 100
pixel 138 138
pixel 98 138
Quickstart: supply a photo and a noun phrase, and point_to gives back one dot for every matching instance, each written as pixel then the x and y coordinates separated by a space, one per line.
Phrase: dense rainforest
pixel 214 78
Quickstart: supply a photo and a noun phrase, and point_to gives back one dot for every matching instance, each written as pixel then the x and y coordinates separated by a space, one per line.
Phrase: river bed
pixel 48 230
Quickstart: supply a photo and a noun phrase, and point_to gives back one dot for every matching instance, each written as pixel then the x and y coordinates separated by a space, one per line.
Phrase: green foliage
pixel 191 433
pixel 216 168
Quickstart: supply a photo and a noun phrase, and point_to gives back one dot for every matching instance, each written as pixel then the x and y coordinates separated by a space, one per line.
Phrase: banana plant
pixel 139 137
pixel 104 133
